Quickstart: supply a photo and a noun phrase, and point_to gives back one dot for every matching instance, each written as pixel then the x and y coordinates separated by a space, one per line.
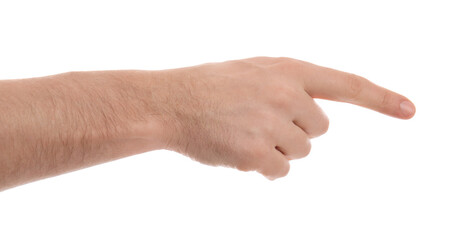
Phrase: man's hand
pixel 252 114
pixel 256 114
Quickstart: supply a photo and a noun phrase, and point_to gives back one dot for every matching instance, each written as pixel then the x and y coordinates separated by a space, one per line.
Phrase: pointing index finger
pixel 331 84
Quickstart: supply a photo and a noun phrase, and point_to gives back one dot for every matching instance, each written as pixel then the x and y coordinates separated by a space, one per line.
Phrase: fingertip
pixel 408 109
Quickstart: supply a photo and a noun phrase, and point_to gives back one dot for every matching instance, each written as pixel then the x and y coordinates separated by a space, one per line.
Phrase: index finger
pixel 331 84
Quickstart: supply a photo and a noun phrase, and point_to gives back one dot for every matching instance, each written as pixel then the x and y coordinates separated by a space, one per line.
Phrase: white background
pixel 369 177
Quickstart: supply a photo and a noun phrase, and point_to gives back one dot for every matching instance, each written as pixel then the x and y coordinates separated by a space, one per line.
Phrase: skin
pixel 253 114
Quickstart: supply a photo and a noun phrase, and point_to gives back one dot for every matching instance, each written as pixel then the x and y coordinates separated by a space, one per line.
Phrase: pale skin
pixel 253 114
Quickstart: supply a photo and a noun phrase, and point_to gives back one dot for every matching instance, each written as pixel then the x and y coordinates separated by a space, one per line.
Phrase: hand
pixel 256 114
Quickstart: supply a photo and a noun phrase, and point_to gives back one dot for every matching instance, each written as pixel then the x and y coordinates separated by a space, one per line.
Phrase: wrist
pixel 140 121
pixel 159 125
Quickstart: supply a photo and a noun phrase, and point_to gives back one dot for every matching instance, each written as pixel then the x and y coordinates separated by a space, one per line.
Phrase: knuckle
pixel 284 95
pixel 304 149
pixel 285 59
pixel 324 126
pixel 273 172
pixel 285 170
pixel 287 65
pixel 242 64
pixel 269 128
pixel 262 58
pixel 355 85
pixel 258 149
pixel 386 99
pixel 247 64
pixel 321 128
pixel 259 153
pixel 267 124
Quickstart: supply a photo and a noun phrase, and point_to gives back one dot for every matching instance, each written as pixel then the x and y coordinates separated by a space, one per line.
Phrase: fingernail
pixel 407 108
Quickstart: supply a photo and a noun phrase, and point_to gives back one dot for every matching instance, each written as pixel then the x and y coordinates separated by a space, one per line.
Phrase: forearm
pixel 60 123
